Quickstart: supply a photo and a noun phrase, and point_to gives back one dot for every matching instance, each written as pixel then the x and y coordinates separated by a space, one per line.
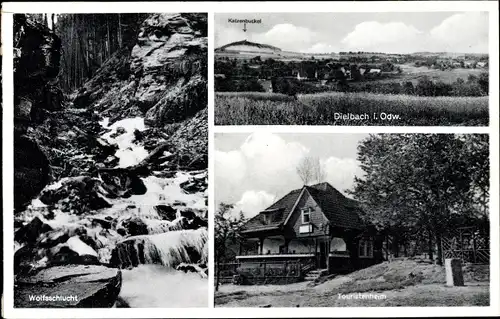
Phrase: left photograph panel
pixel 110 160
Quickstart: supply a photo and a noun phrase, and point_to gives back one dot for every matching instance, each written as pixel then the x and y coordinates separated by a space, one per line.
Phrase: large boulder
pixel 31 171
pixel 30 232
pixel 82 286
pixel 121 182
pixel 76 195
pixel 134 226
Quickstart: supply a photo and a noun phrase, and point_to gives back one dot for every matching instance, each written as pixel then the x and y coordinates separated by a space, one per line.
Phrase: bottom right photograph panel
pixel 351 220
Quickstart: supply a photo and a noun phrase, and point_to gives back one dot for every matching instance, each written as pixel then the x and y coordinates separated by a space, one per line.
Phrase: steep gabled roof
pixel 340 210
pixel 281 208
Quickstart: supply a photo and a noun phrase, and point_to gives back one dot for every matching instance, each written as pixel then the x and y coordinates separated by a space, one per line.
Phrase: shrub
pixel 240 85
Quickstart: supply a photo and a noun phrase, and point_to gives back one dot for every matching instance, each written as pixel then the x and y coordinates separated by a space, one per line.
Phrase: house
pixel 481 64
pixel 315 228
pixel 305 72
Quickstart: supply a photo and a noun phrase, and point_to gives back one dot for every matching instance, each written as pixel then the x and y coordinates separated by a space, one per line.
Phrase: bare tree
pixel 305 171
pixel 319 174
pixel 310 170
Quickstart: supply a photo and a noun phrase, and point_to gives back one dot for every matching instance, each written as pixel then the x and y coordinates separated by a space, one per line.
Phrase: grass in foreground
pixel 403 283
pixel 250 108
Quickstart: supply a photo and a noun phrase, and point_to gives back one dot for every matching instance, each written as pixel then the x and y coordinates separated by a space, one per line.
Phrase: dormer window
pixel 265 218
pixel 306 215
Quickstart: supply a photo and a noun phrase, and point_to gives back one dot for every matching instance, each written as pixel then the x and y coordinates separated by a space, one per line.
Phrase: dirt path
pixel 476 294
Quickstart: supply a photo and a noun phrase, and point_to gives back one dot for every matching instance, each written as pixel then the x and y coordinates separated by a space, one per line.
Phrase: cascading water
pixel 148 260
pixel 169 249
pixel 166 244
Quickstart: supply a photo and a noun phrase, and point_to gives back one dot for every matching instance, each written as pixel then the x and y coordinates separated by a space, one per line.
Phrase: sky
pixel 389 32
pixel 254 170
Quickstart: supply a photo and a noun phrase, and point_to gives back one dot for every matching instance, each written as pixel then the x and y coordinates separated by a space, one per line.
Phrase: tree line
pixel 88 40
pixel 419 187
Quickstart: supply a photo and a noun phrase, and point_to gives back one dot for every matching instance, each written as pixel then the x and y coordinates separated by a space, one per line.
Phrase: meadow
pixel 255 108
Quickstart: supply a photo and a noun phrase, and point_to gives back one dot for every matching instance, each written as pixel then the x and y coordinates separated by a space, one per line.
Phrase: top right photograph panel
pixel 361 68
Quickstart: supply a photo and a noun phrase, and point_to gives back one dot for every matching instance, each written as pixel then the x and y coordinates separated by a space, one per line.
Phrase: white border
pixel 395 6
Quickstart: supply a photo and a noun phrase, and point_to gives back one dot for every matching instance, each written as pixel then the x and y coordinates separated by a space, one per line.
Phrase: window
pixel 306 216
pixel 366 248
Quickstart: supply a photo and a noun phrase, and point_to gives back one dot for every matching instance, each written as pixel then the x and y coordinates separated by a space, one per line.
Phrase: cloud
pixel 263 162
pixel 263 169
pixel 287 37
pixel 321 47
pixel 225 35
pixel 283 36
pixel 467 31
pixel 463 32
pixel 377 36
pixel 230 169
pixel 253 202
pixel 340 172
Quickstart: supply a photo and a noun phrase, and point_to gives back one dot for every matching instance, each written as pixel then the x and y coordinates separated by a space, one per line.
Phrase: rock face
pixel 82 286
pixel 37 52
pixel 163 77
pixel 31 170
pixel 92 210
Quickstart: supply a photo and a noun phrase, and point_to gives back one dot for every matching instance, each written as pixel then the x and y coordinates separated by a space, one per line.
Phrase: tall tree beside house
pixel 226 231
pixel 310 170
pixel 418 182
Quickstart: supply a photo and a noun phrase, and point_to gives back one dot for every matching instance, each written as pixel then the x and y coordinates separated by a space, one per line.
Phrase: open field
pixel 250 108
pixel 399 283
pixel 413 74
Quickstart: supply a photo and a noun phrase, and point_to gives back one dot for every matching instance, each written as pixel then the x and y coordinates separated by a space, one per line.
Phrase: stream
pixel 154 282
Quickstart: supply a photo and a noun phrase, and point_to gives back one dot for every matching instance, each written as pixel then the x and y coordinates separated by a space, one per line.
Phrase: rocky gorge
pixel 110 180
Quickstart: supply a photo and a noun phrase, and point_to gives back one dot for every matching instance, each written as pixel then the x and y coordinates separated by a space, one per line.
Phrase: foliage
pixel 419 182
pixel 226 229
pixel 238 85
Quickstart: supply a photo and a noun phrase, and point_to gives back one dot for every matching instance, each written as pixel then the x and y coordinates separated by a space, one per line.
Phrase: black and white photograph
pixel 351 220
pixel 110 160
pixel 352 68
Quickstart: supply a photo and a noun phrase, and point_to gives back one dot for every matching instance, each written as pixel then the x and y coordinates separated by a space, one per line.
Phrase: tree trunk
pixel 88 72
pixel 108 41
pixel 431 252
pixel 119 31
pixel 52 19
pixel 217 280
pixel 439 249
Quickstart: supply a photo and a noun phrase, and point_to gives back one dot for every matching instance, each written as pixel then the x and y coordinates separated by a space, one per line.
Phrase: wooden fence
pixel 469 244
pixel 261 272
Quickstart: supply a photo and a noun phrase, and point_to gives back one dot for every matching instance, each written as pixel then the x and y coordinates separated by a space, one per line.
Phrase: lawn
pixel 250 108
pixel 399 283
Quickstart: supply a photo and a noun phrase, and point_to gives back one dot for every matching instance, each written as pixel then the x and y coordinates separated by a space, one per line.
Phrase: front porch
pixel 311 253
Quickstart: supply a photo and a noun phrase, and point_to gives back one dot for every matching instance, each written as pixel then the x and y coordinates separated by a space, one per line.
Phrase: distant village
pixel 350 68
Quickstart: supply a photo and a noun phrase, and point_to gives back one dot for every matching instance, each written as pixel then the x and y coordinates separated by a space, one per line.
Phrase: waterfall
pixel 158 226
pixel 169 249
pixel 128 153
